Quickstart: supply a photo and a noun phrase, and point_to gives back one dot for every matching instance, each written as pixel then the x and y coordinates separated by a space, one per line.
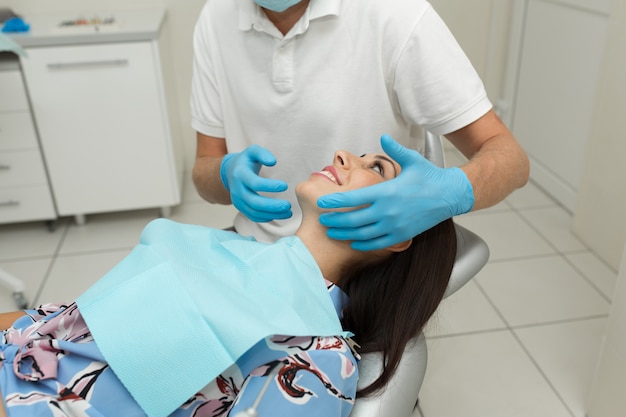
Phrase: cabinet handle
pixel 5 167
pixel 9 203
pixel 88 64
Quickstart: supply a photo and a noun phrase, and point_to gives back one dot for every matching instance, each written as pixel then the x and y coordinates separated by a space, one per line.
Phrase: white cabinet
pixel 24 191
pixel 105 129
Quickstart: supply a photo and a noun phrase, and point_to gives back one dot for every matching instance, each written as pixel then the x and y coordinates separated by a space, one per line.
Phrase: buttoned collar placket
pixel 252 17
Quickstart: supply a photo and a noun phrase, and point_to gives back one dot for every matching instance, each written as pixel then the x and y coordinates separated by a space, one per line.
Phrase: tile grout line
pixel 562 254
pixel 591 283
pixel 558 322
pixel 94 252
pixel 543 374
pixel 518 327
pixel 511 330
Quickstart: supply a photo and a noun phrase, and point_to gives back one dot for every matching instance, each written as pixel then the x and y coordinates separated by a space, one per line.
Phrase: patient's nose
pixel 342 159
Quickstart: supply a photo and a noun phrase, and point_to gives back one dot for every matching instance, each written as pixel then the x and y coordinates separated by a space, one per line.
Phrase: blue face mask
pixel 277 5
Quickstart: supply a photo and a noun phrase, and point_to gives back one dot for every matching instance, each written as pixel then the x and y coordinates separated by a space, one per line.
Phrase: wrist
pixel 465 201
pixel 224 170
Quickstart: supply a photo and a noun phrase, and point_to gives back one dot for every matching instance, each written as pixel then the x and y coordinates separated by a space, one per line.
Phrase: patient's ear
pixel 400 247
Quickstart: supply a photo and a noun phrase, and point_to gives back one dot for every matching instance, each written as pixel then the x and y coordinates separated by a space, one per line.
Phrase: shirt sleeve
pixel 206 110
pixel 320 380
pixel 435 83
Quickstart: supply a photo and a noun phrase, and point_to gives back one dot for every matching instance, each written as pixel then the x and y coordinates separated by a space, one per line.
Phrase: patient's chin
pixel 308 192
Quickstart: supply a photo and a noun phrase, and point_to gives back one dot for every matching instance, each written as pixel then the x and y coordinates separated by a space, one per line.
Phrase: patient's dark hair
pixel 391 302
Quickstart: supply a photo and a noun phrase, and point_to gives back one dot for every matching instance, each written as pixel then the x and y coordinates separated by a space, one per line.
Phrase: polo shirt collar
pixel 251 13
pixel 322 8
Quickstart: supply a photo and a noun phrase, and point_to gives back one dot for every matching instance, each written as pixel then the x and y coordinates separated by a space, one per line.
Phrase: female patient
pixel 192 321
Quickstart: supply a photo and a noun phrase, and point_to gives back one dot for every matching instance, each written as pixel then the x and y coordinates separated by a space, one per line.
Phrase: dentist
pixel 276 84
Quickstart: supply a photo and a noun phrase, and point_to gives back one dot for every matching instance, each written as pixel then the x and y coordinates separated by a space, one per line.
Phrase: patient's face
pixel 347 172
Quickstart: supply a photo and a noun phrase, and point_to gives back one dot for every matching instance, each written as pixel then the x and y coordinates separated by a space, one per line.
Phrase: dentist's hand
pixel 420 197
pixel 239 173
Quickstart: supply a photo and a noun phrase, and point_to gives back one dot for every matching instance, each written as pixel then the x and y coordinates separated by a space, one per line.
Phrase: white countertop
pixel 128 26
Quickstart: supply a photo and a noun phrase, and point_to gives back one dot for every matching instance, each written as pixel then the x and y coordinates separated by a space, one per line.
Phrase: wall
pixel 482 29
pixel 607 393
pixel 471 22
pixel 599 217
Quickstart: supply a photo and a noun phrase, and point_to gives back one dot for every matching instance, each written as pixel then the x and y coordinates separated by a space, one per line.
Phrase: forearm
pixel 206 170
pixel 497 165
pixel 206 178
pixel 498 169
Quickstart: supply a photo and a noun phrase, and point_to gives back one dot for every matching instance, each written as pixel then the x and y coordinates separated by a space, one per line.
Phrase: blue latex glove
pixel 15 25
pixel 420 197
pixel 239 173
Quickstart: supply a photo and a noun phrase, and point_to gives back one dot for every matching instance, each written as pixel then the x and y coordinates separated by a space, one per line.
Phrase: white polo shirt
pixel 347 72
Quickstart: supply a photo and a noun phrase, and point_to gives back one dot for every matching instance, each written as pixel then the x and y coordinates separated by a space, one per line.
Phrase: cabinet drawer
pixel 26 204
pixel 17 131
pixel 21 168
pixel 13 95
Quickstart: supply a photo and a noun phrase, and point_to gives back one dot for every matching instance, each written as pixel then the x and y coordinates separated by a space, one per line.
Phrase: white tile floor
pixel 521 339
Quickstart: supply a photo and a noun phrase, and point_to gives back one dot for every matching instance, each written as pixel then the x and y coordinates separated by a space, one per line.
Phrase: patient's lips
pixel 331 173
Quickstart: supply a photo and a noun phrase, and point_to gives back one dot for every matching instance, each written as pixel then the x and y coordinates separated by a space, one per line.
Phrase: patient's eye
pixel 381 164
pixel 378 167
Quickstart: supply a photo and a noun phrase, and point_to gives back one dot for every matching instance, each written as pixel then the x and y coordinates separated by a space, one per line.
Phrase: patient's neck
pixel 334 258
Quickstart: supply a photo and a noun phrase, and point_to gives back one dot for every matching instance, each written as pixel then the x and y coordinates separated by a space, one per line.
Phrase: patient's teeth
pixel 330 176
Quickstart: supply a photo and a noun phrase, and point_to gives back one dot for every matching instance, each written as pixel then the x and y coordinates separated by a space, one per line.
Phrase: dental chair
pixel 399 399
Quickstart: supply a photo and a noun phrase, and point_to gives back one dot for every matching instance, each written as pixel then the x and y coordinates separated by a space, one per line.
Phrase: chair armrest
pixel 472 254
pixel 400 395
pixel 433 149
